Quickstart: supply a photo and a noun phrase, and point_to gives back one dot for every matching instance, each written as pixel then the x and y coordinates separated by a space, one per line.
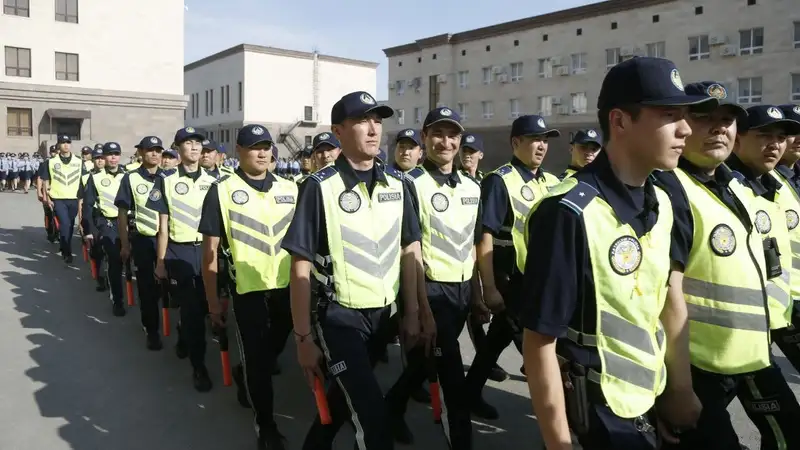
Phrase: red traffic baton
pixel 322 402
pixel 165 307
pixel 129 282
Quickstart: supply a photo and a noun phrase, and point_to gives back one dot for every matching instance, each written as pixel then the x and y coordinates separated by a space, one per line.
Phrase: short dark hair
pixel 633 109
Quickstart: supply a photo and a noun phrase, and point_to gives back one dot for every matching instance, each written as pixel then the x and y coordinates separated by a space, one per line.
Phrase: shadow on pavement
pixel 94 375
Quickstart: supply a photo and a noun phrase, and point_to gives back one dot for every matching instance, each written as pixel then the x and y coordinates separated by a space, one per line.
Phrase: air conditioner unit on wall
pixel 555 101
pixel 556 61
pixel 563 110
pixel 729 50
pixel 628 50
pixel 497 69
pixel 502 78
pixel 391 86
pixel 563 71
pixel 441 78
pixel 717 39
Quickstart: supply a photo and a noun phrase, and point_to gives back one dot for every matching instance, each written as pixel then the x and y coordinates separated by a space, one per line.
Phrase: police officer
pixel 100 213
pixel 178 198
pixel 407 150
pixel 95 251
pixel 86 155
pixel 136 160
pixel 326 150
pixel 305 164
pixel 354 223
pixel 49 217
pixel 448 207
pixel 209 158
pixel 596 274
pixel 508 194
pixel 61 181
pixel 249 212
pixel 471 155
pixel 583 149
pixel 169 161
pixel 140 241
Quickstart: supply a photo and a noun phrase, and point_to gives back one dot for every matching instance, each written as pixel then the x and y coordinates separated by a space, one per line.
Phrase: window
pixel 419 60
pixel 546 105
pixel 657 49
pixel 418 115
pixel 67 11
pixel 309 140
pixel 463 79
pixel 656 18
pixel 751 2
pixel 698 48
pixel 222 99
pixel 612 57
pixel 698 10
pixel 513 108
pixel 797 35
pixel 487 110
pixel 20 122
pixel 487 75
pixel 488 48
pixel 211 108
pixel 579 103
pixel 211 135
pixel 516 71
pixel 241 96
pixel 227 98
pixel 69 127
pixel 462 110
pixel 613 25
pixel 544 38
pixel 197 104
pixel 751 42
pixel 516 42
pixel 16 8
pixel 308 113
pixel 206 104
pixel 400 87
pixel 579 32
pixel 545 68
pixel 579 63
pixel 18 62
pixel 796 87
pixel 463 52
pixel 750 90
pixel 399 63
pixel 67 66
pixel 401 116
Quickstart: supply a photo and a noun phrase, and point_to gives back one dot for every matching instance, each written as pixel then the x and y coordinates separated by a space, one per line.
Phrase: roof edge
pixel 241 48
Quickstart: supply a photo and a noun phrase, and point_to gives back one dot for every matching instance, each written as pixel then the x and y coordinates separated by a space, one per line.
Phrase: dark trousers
pixel 772 407
pixel 143 251
pixel 186 288
pixel 607 431
pixel 66 211
pixel 351 341
pixel 788 339
pixel 50 223
pixel 264 322
pixel 456 423
pixel 503 330
pixel 109 241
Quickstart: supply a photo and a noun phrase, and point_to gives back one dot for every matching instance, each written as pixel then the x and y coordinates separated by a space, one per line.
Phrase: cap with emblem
pixel 718 91
pixel 52 148
pixel 410 134
pixel 306 152
pixel 169 153
pixel 97 153
pixel 325 138
pixel 98 147
pixel 253 134
pixel 358 104
pixel 185 134
pixel 210 145
pixel 85 150
pixel 791 111
pixel 588 136
pixel 766 115
pixel 149 142
pixel 442 114
pixel 650 82
pixel 532 125
pixel 111 148
pixel 64 139
pixel 472 141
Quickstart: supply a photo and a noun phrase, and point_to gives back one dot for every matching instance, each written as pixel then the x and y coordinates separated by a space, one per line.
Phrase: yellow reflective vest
pixel 790 203
pixel 88 165
pixel 255 223
pixel 724 284
pixel 447 222
pixel 132 166
pixel 184 197
pixel 65 179
pixel 145 219
pixel 107 186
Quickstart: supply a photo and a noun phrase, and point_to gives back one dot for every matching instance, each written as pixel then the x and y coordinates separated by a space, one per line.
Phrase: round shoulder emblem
pixel 792 219
pixel 763 222
pixel 240 197
pixel 527 193
pixel 775 113
pixel 625 255
pixel 155 195
pixel 722 240
pixel 106 182
pixel 181 188
pixel 57 166
pixel 675 76
pixel 349 201
pixel 440 202
pixel 541 123
pixel 141 189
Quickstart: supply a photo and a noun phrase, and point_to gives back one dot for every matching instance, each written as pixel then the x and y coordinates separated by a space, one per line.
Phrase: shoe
pixel 271 439
pixel 400 431
pixel 480 408
pixel 118 309
pixel 422 395
pixel 68 258
pixel 102 285
pixel 154 342
pixel 201 380
pixel 241 388
pixel 498 374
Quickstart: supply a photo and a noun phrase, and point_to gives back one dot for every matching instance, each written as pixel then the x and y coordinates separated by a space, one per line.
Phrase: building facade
pixel 554 64
pixel 78 67
pixel 290 92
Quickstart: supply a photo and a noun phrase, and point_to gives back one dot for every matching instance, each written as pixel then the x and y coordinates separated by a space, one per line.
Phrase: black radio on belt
pixel 772 257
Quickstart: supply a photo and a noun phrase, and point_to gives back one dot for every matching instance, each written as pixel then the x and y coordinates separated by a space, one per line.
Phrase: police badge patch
pixel 181 188
pixel 57 166
pixel 722 240
pixel 240 197
pixel 792 219
pixel 625 255
pixel 470 139
pixel 155 195
pixel 527 193
pixel 349 201
pixel 105 182
pixel 440 202
pixel 141 189
pixel 763 222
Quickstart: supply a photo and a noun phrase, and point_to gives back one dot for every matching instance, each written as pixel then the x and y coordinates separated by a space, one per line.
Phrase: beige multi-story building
pixel 554 64
pixel 290 92
pixel 87 69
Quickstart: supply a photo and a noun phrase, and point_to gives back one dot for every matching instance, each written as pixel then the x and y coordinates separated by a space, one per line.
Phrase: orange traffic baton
pixel 129 282
pixel 433 381
pixel 85 252
pixel 322 402
pixel 93 266
pixel 222 338
pixel 165 306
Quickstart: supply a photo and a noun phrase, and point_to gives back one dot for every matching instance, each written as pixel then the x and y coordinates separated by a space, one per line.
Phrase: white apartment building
pixel 554 64
pixel 86 69
pixel 290 92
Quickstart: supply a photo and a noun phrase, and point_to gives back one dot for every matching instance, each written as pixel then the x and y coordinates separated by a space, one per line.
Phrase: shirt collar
pixel 183 173
pixel 118 172
pixel 525 171
pixel 762 186
pixel 265 184
pixel 617 195
pixel 349 175
pixel 722 175
pixel 573 167
pixel 452 179
pixel 146 174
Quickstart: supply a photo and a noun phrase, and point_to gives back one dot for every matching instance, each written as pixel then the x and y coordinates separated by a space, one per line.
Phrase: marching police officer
pixel 597 270
pixel 95 251
pixel 178 198
pixel 407 150
pixel 169 161
pixel 471 155
pixel 209 158
pixel 249 212
pixel 140 241
pixel 354 224
pixel 100 214
pixel 305 165
pixel 326 150
pixel 61 186
pixel 583 149
pixel 86 155
pixel 49 217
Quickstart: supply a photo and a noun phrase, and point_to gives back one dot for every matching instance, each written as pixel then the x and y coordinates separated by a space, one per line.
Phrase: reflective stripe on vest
pixel 365 263
pixel 723 285
pixel 255 224
pixel 107 186
pixel 185 202
pixel 447 221
pixel 790 202
pixel 145 219
pixel 65 178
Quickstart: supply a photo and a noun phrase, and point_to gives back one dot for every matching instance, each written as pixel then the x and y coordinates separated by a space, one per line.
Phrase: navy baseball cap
pixel 650 82
pixel 86 150
pixel 184 134
pixel 588 136
pixel 169 152
pixel 111 148
pixel 532 125
pixel 98 147
pixel 410 134
pixel 472 141
pixel 210 144
pixel 149 142
pixel 791 111
pixel 718 91
pixel 442 114
pixel 253 134
pixel 306 152
pixel 766 115
pixel 325 138
pixel 52 148
pixel 64 139
pixel 358 104
pixel 97 153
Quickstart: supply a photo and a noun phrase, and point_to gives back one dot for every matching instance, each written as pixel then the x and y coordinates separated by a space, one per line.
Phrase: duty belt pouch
pixel 772 258
pixel 577 399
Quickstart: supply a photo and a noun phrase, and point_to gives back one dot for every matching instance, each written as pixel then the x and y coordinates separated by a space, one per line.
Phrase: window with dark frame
pixel 19 122
pixel 18 62
pixel 222 99
pixel 211 108
pixel 19 8
pixel 308 113
pixel 579 32
pixel 206 104
pixel 241 96
pixel 67 67
pixel 656 18
pixel 67 11
pixel 613 25
pixel 544 37
pixel 463 52
pixel 227 98
pixel 698 10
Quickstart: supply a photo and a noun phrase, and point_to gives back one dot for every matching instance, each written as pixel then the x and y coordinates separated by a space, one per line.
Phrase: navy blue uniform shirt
pixel 90 195
pixel 160 205
pixel 762 185
pixel 124 198
pixel 792 175
pixel 211 223
pixel 558 285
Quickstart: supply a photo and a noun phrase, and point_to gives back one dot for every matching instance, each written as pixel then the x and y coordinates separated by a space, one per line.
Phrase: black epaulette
pixel 415 173
pixel 324 173
pixel 504 170
pixel 393 171
pixel 579 197
pixel 221 179
pixel 738 175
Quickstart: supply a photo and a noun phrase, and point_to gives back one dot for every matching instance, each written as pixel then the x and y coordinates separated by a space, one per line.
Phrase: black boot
pixel 154 341
pixel 118 309
pixel 201 380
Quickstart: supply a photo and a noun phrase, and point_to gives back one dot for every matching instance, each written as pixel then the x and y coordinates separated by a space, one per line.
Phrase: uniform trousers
pixel 186 288
pixel 788 339
pixel 65 210
pixel 111 245
pixel 143 251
